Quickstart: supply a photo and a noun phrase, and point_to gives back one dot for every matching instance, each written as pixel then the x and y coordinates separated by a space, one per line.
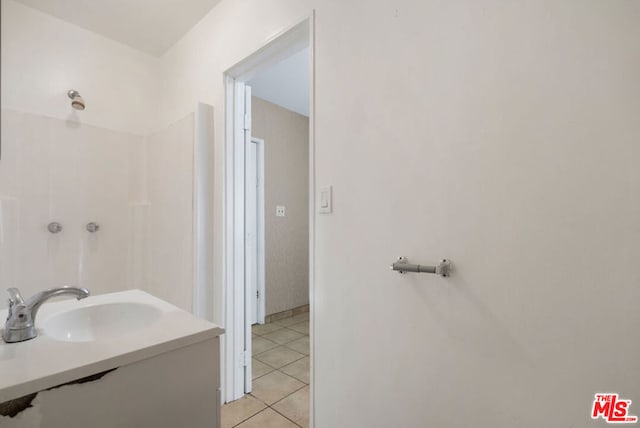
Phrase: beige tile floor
pixel 280 363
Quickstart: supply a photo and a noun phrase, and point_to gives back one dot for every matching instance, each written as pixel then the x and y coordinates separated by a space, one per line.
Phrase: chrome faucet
pixel 22 316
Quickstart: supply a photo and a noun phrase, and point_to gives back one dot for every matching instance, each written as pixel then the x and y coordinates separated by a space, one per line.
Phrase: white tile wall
pixel 56 170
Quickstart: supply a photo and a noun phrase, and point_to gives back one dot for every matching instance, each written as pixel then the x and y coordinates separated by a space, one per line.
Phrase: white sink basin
pixel 100 321
pixel 101 332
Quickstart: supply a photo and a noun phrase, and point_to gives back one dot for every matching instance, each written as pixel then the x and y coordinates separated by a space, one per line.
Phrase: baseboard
pixel 286 314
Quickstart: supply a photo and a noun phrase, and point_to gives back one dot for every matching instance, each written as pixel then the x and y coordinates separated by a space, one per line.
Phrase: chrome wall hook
pixel 402 265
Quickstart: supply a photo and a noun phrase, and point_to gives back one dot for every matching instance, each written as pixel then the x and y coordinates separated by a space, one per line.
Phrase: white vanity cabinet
pixel 166 374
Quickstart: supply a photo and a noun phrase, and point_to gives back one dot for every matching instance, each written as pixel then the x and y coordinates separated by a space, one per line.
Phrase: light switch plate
pixel 325 197
pixel 280 210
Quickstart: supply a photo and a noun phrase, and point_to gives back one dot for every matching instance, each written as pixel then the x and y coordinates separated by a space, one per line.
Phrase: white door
pixel 247 265
pixel 251 230
pixel 249 299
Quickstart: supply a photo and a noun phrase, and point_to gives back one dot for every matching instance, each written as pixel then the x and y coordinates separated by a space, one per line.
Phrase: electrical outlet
pixel 280 209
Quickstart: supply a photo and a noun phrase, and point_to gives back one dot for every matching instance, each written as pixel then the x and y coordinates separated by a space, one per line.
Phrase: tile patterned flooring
pixel 280 363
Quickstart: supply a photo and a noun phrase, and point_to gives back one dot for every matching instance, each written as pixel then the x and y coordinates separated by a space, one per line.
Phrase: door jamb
pixel 278 48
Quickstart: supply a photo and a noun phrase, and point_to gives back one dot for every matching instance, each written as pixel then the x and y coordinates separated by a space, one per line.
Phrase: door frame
pixel 277 48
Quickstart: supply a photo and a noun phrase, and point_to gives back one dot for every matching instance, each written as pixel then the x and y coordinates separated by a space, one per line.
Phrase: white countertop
pixel 41 363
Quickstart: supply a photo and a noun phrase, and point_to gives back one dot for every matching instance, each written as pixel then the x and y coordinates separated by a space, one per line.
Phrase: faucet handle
pixel 15 298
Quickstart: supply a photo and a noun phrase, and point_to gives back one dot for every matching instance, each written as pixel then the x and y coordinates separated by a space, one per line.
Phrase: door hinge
pixel 243 358
pixel 247 122
pixel 258 294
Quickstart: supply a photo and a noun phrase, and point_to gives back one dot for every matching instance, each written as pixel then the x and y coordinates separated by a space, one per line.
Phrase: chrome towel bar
pixel 402 265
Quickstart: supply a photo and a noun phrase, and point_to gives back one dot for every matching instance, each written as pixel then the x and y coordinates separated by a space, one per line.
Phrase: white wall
pixel 43 57
pixel 499 134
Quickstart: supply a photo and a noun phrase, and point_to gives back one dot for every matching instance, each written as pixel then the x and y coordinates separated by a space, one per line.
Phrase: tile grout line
pixel 283 328
pixel 270 406
pixel 259 411
pixel 285 345
pixel 288 395
pixel 292 330
pixel 279 369
pixel 284 416
pixel 299 380
pixel 276 368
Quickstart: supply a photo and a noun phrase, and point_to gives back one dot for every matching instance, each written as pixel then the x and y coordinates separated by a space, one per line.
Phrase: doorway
pixel 246 210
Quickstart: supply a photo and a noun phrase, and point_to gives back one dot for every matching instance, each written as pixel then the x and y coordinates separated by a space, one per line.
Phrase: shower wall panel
pixel 71 173
pixel 170 191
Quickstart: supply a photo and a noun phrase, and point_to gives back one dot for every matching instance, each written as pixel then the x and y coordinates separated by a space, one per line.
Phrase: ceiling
pixel 285 83
pixel 152 26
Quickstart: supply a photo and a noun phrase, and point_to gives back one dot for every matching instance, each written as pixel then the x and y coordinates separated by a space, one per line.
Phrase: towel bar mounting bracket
pixel 402 266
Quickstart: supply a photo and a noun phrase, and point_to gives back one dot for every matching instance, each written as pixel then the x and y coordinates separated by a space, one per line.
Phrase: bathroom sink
pixel 100 321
